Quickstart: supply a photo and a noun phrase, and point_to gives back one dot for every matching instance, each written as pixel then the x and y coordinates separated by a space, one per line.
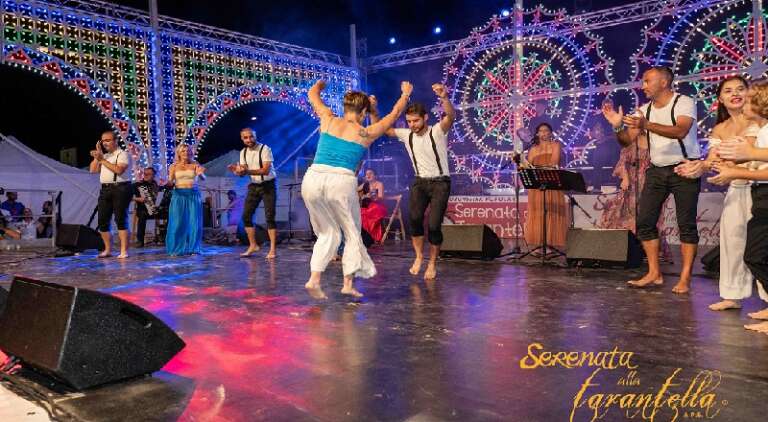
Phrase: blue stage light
pixel 505 12
pixel 437 30
pixel 392 40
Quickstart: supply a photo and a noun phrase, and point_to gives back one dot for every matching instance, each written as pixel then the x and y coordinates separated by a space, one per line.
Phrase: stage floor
pixel 259 348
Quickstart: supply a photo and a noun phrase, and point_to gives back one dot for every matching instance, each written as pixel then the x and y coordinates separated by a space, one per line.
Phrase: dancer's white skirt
pixel 330 195
pixel 735 278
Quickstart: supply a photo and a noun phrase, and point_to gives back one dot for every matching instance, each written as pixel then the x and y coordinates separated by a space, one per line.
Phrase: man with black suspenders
pixel 669 122
pixel 427 147
pixel 113 165
pixel 256 162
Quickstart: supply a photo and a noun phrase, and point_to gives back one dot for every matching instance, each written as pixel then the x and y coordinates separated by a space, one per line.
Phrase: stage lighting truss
pixel 498 79
pixel 706 45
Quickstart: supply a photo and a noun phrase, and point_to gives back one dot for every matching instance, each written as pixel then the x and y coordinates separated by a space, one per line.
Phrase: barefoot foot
pixel 105 254
pixel 250 251
pixel 431 272
pixel 761 327
pixel 416 267
pixel 314 290
pixel 759 314
pixel 649 280
pixel 123 255
pixel 351 291
pixel 682 287
pixel 725 305
pixel 272 254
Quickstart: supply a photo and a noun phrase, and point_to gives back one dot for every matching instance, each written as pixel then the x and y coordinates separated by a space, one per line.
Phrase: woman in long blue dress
pixel 185 215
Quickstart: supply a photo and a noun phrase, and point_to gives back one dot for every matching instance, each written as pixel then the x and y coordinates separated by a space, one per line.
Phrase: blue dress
pixel 185 223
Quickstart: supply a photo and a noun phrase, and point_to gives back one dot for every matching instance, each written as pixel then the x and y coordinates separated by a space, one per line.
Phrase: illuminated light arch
pixel 239 97
pixel 162 77
pixel 71 78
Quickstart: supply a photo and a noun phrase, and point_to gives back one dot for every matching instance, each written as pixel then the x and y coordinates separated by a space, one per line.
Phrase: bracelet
pixel 619 129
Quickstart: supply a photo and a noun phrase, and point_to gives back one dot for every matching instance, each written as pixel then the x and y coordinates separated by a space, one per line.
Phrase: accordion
pixel 150 199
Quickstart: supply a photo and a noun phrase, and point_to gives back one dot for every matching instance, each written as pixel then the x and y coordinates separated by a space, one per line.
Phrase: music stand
pixel 290 187
pixel 550 179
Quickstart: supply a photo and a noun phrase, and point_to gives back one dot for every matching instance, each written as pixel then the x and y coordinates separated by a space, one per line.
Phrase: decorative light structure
pixel 105 52
pixel 498 79
pixel 706 45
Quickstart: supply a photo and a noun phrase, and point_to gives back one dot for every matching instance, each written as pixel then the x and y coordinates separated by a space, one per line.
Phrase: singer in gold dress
pixel 545 152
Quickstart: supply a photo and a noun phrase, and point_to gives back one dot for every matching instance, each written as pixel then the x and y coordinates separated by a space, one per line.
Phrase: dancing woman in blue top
pixel 329 188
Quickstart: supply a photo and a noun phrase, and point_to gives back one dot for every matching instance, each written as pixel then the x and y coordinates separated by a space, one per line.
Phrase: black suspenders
pixel 260 162
pixel 413 153
pixel 245 159
pixel 674 123
pixel 114 175
pixel 434 149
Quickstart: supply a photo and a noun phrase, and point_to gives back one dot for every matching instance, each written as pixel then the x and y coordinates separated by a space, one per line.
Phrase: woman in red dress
pixel 372 211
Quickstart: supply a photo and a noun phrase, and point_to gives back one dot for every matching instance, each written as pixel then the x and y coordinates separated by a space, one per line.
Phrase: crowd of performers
pixel 660 156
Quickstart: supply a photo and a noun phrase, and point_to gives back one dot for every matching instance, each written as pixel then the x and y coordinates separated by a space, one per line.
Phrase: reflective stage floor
pixel 473 346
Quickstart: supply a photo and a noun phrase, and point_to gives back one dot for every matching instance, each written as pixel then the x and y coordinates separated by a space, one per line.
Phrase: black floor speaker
pixel 77 237
pixel 603 248
pixel 81 337
pixel 470 241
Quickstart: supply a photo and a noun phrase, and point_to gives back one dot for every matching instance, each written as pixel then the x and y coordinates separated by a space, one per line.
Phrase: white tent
pixel 32 175
pixel 218 166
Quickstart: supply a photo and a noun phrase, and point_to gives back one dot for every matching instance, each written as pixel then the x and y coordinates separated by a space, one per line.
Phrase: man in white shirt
pixel 256 163
pixel 669 123
pixel 113 164
pixel 427 147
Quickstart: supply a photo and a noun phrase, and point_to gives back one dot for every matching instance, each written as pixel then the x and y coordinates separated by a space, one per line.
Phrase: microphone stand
pixel 574 203
pixel 516 251
pixel 290 187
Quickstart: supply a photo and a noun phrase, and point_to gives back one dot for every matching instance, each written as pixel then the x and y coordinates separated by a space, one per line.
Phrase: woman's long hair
pixel 722 112
pixel 535 141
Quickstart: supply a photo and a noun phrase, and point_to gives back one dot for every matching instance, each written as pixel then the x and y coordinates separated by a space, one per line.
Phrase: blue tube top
pixel 336 152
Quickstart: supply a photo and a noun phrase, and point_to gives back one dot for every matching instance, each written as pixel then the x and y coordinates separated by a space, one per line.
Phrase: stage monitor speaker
pixel 78 237
pixel 603 248
pixel 470 241
pixel 82 337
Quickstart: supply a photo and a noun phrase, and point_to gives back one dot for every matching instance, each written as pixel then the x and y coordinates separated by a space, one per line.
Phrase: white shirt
pixel 761 142
pixel 423 156
pixel 666 151
pixel 117 156
pixel 762 137
pixel 28 229
pixel 750 132
pixel 250 157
